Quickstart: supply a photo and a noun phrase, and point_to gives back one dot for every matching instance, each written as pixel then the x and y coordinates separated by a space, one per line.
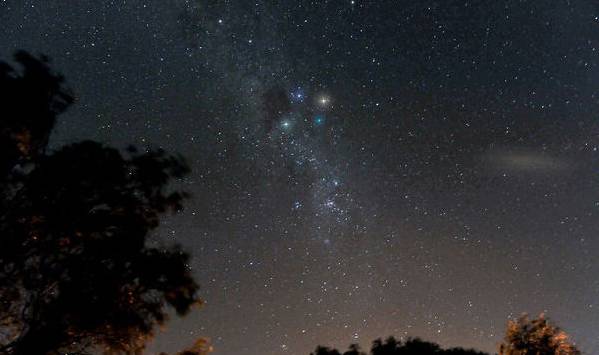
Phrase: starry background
pixel 360 168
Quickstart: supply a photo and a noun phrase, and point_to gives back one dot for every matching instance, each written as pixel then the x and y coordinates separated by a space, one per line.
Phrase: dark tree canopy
pixel 537 336
pixel 391 346
pixel 30 101
pixel 76 271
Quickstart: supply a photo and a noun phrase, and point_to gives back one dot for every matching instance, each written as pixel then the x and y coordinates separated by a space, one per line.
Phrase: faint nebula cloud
pixel 526 161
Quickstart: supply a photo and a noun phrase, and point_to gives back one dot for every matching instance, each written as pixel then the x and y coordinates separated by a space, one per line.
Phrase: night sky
pixel 360 168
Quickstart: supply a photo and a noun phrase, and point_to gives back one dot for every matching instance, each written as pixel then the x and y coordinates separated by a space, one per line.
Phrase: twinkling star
pixel 324 101
pixel 297 95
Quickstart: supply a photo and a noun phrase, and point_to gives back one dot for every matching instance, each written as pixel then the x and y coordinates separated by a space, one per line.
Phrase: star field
pixel 360 168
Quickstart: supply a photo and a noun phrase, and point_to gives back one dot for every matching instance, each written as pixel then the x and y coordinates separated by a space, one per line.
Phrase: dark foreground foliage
pixel 391 346
pixel 524 336
pixel 536 336
pixel 76 271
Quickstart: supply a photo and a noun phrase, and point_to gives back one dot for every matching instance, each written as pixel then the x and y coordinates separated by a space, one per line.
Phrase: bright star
pixel 297 95
pixel 319 120
pixel 324 100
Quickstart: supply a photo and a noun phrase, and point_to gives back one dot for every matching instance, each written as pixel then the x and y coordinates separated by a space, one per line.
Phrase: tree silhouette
pixel 536 336
pixel 391 346
pixel 76 271
pixel 523 337
pixel 354 349
pixel 323 350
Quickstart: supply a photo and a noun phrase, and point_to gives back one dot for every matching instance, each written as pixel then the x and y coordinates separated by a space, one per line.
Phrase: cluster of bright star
pixel 329 202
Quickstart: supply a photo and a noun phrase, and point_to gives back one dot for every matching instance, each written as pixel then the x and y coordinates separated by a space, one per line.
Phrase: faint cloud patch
pixel 527 160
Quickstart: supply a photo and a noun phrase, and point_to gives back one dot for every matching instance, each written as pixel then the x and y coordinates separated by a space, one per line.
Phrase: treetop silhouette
pixel 391 346
pixel 536 336
pixel 76 271
pixel 523 337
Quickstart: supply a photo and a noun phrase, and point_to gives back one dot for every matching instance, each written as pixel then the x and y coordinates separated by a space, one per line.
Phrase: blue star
pixel 319 120
pixel 286 125
pixel 297 95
